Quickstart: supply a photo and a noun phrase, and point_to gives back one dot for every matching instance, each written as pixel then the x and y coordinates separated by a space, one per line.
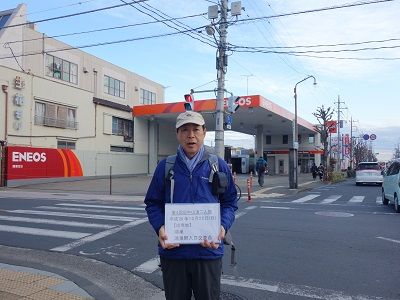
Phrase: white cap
pixel 189 117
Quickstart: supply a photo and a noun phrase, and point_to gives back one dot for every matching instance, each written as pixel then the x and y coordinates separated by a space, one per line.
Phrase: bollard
pixel 248 190
pixel 251 179
pixel 234 177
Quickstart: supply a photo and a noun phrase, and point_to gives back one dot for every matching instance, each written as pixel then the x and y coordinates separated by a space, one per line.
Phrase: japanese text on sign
pixel 191 223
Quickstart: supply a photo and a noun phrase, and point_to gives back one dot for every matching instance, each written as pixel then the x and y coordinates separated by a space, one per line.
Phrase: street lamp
pixel 293 160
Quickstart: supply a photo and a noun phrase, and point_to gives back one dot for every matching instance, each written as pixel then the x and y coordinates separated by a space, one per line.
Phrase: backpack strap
pixel 169 175
pixel 213 161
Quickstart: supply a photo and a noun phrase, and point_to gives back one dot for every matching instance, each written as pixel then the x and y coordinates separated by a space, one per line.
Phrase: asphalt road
pixel 332 242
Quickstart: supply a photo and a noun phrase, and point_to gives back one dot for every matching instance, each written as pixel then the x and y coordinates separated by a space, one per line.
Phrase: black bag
pixel 219 183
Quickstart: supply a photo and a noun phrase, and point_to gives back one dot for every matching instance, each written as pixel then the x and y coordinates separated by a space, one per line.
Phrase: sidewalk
pixel 42 275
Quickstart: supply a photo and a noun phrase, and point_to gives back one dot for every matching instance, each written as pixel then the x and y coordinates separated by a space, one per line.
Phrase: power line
pixel 104 29
pixel 55 8
pixel 105 43
pixel 359 3
pixel 73 15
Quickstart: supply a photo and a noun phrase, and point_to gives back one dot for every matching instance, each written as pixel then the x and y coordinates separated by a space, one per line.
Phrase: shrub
pixel 338 176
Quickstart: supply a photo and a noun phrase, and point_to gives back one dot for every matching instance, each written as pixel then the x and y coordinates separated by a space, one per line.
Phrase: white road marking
pixel 260 191
pixel 291 289
pixel 72 215
pixel 305 198
pixel 149 266
pixel 101 206
pixel 97 236
pixel 276 207
pixel 357 199
pixel 387 239
pixel 240 214
pixel 56 222
pixel 251 207
pixel 330 199
pixel 379 200
pixel 90 210
pixel 44 232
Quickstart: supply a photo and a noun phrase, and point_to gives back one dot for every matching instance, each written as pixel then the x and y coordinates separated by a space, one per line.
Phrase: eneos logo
pixel 241 101
pixel 28 157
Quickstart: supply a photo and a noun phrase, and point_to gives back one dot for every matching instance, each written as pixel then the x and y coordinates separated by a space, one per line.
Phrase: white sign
pixel 191 223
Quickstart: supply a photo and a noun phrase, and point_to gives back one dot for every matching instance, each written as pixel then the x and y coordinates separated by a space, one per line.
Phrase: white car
pixel 369 172
pixel 391 185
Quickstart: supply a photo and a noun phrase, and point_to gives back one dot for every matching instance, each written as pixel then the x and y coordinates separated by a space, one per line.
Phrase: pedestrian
pixel 190 268
pixel 261 167
pixel 321 171
pixel 314 171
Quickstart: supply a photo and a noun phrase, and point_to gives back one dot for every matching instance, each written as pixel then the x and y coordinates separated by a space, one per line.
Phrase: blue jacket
pixel 190 188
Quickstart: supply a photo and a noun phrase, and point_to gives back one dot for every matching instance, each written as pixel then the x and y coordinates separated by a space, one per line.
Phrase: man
pixel 261 167
pixel 197 267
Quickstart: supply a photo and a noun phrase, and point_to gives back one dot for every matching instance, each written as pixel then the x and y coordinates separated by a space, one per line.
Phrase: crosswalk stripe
pixel 44 232
pixel 379 200
pixel 98 236
pixel 72 215
pixel 101 206
pixel 148 266
pixel 357 199
pixel 330 199
pixel 56 222
pixel 90 210
pixel 305 198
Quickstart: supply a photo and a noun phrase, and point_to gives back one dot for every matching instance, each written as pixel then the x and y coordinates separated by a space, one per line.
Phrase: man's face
pixel 191 138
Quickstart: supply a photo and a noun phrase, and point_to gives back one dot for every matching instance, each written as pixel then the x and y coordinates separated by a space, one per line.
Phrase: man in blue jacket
pixel 190 268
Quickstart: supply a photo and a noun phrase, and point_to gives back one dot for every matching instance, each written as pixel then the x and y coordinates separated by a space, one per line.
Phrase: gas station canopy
pixel 254 111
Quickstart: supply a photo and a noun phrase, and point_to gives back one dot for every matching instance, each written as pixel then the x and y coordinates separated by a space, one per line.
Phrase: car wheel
pixel 396 204
pixel 357 183
pixel 385 201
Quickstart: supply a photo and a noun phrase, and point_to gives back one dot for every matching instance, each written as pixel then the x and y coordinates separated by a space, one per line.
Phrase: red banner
pixel 331 126
pixel 30 163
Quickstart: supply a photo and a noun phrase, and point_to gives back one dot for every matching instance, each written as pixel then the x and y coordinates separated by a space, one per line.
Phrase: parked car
pixel 369 172
pixel 391 185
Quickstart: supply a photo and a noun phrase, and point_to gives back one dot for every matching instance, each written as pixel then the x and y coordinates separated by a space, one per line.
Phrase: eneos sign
pixel 30 163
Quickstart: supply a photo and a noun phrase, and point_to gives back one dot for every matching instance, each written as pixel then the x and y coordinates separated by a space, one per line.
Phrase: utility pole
pixel 339 148
pixel 222 63
pixel 351 142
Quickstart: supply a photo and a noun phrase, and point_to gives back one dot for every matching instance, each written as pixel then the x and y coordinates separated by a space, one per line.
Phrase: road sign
pixel 366 137
pixel 372 137
pixel 228 119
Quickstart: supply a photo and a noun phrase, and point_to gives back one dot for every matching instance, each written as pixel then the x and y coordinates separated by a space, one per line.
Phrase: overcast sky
pixel 367 84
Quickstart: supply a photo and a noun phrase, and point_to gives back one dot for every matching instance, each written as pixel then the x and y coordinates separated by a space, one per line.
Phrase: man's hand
pixel 162 237
pixel 207 244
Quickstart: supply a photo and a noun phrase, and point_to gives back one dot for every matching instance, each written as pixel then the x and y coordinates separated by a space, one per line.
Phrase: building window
pixel 311 138
pixel 121 149
pixel 285 139
pixel 268 139
pixel 147 97
pixel 61 69
pixel 123 127
pixel 114 87
pixel 54 115
pixel 66 144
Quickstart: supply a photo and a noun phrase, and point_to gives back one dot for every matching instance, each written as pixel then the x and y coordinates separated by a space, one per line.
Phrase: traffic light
pixel 233 104
pixel 189 102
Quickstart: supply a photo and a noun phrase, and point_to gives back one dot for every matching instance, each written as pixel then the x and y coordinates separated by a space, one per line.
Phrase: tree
pixel 396 152
pixel 361 152
pixel 323 116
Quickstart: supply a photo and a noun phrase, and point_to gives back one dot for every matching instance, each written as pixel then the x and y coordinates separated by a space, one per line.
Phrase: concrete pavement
pixel 41 275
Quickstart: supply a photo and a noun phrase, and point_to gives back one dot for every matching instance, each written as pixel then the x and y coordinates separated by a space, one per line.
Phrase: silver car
pixel 391 185
pixel 369 172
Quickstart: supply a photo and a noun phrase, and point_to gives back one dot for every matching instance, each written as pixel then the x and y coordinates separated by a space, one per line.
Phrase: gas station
pixel 270 124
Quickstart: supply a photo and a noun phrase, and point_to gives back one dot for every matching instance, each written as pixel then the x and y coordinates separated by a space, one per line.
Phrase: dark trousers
pixel 181 277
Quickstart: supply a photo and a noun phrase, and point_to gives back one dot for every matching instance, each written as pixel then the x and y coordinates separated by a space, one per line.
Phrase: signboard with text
pixel 31 163
pixel 192 223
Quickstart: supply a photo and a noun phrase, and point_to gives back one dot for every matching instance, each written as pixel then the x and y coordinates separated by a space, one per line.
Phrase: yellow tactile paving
pixel 27 289
pixel 45 295
pixel 31 278
pixel 16 285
